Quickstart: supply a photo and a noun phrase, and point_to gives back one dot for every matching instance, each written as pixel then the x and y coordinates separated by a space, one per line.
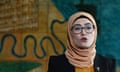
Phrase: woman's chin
pixel 83 47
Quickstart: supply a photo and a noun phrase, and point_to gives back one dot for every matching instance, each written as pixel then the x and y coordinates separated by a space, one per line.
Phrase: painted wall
pixel 28 50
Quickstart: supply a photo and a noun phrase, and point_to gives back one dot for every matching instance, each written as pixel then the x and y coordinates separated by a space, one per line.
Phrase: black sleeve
pixel 106 64
pixel 111 64
pixel 51 65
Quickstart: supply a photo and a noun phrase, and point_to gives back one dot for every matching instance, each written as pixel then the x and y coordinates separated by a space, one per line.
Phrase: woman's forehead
pixel 82 21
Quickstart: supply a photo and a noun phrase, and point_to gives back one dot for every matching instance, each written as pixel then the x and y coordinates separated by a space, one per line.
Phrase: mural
pixel 28 50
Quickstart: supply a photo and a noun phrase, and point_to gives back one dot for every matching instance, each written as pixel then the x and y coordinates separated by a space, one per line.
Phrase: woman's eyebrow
pixel 77 24
pixel 88 23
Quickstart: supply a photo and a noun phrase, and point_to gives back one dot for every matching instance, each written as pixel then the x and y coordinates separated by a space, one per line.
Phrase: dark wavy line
pixel 42 48
pixel 3 39
pixel 54 35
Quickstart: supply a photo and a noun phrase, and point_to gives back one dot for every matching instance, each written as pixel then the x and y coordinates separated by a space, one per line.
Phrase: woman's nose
pixel 83 32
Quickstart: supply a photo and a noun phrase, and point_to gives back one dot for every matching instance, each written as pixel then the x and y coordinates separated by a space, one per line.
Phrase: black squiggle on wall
pixel 3 41
pixel 42 49
pixel 55 36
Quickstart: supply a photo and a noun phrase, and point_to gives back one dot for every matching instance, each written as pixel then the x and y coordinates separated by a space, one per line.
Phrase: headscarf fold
pixel 76 56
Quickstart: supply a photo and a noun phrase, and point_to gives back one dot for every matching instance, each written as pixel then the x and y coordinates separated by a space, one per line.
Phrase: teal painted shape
pixel 66 7
pixel 93 2
pixel 17 66
pixel 110 2
pixel 109 38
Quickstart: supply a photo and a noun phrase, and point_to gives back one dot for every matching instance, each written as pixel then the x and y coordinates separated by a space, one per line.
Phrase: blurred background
pixel 33 30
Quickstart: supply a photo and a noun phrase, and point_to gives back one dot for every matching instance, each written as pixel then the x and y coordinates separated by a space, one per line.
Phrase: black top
pixel 60 64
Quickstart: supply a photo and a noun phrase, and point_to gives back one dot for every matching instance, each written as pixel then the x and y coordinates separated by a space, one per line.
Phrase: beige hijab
pixel 76 56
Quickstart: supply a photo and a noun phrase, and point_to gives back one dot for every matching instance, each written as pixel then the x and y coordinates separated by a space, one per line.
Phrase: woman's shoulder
pixel 59 64
pixel 106 64
pixel 60 58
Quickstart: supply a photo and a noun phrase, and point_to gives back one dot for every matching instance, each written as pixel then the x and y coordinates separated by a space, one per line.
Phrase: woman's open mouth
pixel 84 39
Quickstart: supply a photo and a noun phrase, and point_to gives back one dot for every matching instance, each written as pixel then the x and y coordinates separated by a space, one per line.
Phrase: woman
pixel 80 55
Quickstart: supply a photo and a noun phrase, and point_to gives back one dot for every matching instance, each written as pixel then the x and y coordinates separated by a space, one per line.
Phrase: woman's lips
pixel 84 39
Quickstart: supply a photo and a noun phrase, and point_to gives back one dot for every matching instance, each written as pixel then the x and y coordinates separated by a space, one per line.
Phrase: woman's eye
pixel 77 29
pixel 88 27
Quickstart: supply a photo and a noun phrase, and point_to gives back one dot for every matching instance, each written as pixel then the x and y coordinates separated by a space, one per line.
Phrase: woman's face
pixel 82 32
